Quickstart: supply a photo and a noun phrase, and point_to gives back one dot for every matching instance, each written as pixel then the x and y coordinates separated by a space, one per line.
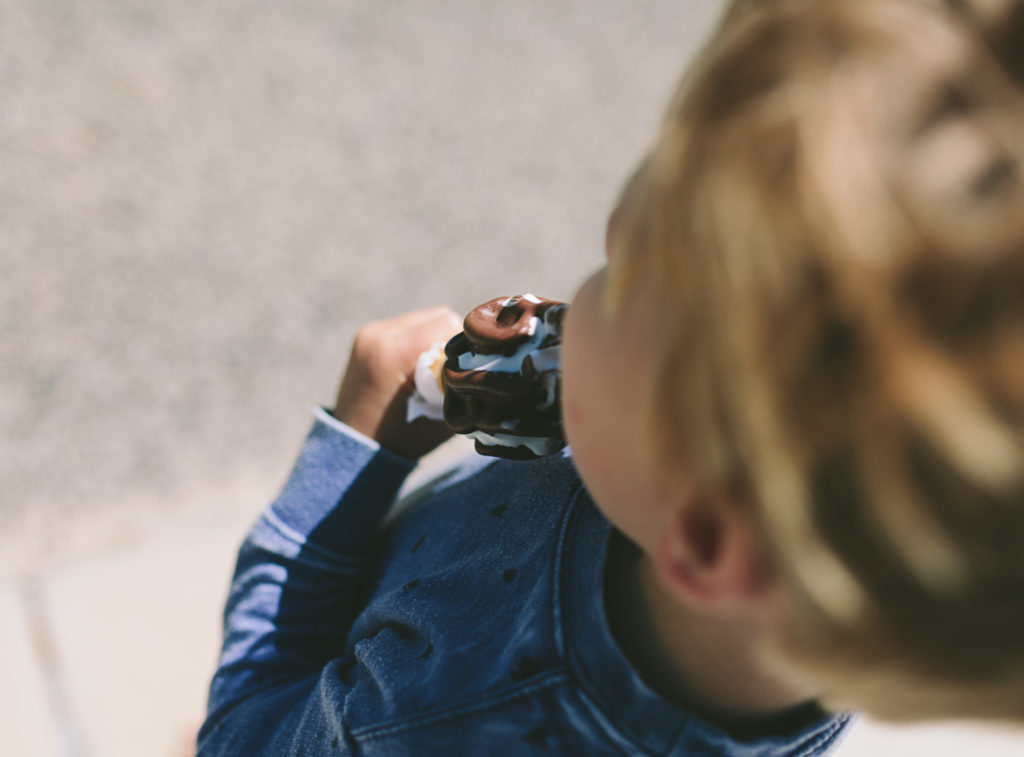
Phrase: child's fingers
pixel 377 381
pixel 440 316
pixel 441 320
pixel 410 332
pixel 420 330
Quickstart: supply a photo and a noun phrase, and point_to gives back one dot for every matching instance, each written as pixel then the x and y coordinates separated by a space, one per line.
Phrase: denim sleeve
pixel 295 592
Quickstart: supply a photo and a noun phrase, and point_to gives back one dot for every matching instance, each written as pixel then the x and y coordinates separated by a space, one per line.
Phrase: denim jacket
pixel 473 624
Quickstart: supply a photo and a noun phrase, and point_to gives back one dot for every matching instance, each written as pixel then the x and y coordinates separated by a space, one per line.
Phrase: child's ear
pixel 707 555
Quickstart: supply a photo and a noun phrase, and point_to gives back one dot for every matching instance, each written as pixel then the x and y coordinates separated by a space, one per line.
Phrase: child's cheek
pixel 570 413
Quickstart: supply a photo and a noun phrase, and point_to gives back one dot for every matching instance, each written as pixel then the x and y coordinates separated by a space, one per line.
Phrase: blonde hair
pixel 844 335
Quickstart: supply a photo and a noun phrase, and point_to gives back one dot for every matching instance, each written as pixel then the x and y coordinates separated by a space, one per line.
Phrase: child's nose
pixel 609 232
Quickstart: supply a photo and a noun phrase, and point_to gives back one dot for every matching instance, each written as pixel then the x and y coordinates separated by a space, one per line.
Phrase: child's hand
pixel 379 380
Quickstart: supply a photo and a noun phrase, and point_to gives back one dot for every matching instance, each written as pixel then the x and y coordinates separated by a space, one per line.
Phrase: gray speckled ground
pixel 200 202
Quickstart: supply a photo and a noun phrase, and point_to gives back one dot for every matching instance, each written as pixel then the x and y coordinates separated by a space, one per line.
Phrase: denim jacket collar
pixel 638 719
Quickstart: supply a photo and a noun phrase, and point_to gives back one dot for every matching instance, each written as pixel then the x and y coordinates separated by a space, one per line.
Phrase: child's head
pixel 823 260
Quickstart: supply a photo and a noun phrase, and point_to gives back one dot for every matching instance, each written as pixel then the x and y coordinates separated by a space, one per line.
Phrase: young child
pixel 794 400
